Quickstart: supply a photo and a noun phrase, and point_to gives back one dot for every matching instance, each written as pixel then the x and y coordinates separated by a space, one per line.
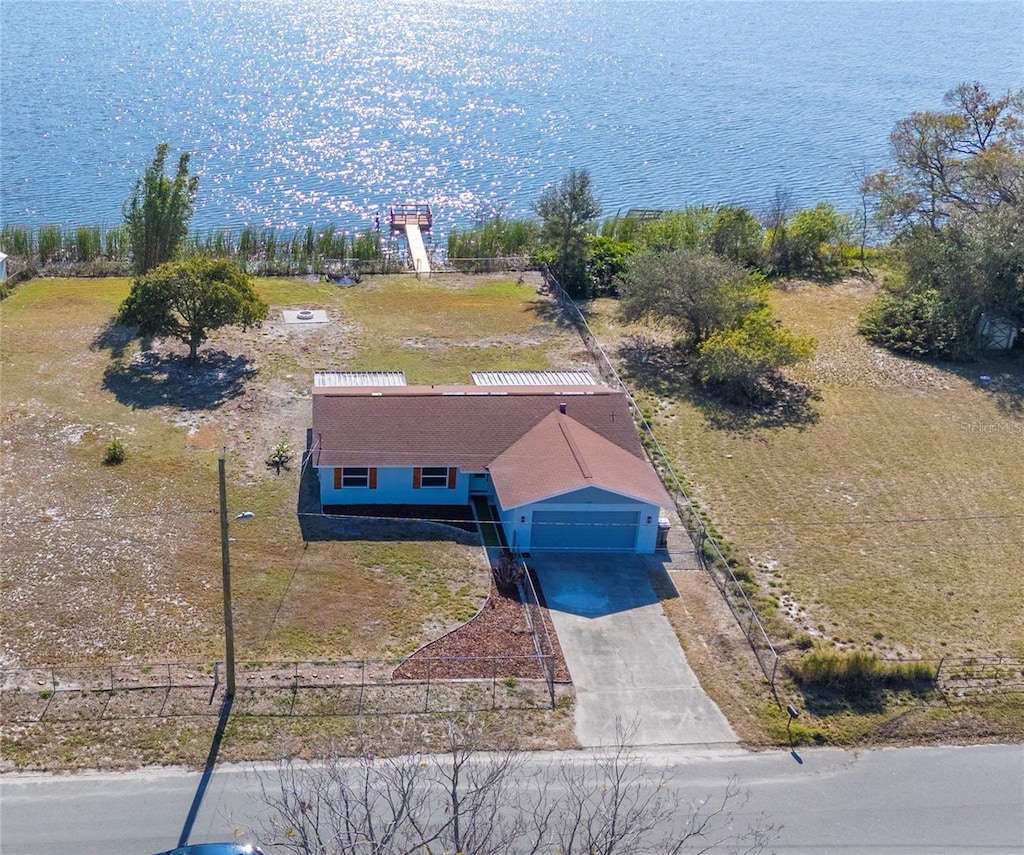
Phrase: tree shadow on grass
pixel 115 338
pixel 1001 378
pixel 664 370
pixel 155 380
pixel 551 313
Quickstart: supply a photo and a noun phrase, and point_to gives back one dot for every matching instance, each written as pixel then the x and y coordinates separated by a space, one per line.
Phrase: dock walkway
pixel 412 217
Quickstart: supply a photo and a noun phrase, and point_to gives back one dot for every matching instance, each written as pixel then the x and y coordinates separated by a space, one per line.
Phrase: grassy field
pixel 888 512
pixel 884 514
pixel 107 563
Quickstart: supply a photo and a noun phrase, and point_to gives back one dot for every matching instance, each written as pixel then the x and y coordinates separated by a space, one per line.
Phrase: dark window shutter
pixel 417 474
pixel 451 477
pixel 373 477
pixel 337 478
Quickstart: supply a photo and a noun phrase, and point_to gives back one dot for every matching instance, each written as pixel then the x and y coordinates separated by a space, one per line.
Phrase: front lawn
pixel 105 563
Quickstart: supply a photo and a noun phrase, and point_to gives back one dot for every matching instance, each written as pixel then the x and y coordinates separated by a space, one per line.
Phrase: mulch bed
pixel 496 643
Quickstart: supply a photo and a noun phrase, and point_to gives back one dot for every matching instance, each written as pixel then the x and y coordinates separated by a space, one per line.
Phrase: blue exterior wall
pixel 394 487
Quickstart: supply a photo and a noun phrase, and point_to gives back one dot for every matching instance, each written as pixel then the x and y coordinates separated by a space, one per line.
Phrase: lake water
pixel 321 111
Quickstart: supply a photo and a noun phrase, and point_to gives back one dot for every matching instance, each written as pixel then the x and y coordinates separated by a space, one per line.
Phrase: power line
pixel 881 521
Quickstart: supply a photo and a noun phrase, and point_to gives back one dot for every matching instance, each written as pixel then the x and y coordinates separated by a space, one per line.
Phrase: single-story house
pixel 556 454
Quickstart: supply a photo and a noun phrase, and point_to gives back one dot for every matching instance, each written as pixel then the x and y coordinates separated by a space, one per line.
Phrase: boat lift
pixel 414 218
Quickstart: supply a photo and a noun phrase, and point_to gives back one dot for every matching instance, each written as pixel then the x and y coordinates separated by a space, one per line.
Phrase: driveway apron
pixel 624 658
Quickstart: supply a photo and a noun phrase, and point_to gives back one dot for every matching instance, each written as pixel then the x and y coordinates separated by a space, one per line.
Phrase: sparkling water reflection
pixel 307 112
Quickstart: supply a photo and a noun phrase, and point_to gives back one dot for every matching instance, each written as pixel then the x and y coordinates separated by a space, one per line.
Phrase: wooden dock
pixel 414 218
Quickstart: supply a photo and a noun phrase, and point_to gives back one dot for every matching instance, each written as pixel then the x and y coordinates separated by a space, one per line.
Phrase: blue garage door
pixel 584 530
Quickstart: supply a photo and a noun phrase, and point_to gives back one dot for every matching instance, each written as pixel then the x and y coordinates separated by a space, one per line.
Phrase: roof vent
pixel 561 408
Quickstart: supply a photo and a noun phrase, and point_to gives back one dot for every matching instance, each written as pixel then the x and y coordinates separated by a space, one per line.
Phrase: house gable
pixel 560 456
pixel 586 496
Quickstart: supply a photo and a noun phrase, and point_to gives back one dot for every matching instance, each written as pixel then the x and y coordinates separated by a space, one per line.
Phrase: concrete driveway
pixel 624 658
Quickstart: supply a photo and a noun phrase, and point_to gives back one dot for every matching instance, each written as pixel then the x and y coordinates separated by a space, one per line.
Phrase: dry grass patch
pixel 887 517
pixel 109 563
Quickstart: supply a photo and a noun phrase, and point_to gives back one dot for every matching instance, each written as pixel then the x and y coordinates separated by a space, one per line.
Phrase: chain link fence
pixel 709 554
pixel 325 688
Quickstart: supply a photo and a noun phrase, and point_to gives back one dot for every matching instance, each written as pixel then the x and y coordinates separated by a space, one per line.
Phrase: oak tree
pixel 695 293
pixel 187 299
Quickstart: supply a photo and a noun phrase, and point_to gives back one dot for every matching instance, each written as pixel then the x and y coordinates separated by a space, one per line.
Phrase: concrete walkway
pixel 624 658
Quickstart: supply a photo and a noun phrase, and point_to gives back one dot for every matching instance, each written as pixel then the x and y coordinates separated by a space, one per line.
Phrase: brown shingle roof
pixel 517 432
pixel 463 426
pixel 560 455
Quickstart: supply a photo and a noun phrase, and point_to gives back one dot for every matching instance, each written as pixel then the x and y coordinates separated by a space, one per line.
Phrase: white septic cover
pixel 305 316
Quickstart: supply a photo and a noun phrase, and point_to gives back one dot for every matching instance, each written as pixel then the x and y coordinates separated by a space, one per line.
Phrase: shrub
pixel 920 322
pixel 115 453
pixel 858 672
pixel 739 362
pixel 804 641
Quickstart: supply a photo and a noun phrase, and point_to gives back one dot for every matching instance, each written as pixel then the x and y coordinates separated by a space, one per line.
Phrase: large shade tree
pixel 185 300
pixel 954 198
pixel 696 293
pixel 730 337
pixel 159 210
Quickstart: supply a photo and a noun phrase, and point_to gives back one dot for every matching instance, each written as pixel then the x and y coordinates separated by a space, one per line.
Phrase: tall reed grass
pixel 495 238
pixel 858 672
pixel 18 241
pixel 88 243
pixel 51 243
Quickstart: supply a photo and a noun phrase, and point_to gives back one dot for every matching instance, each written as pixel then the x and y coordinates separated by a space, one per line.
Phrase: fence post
pixel 938 669
pixel 426 698
pixel 362 685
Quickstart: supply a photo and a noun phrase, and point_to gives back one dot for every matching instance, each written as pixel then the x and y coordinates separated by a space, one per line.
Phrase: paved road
pixel 623 655
pixel 926 800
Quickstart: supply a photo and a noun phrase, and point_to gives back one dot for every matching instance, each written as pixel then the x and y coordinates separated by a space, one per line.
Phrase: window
pixel 434 476
pixel 355 476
